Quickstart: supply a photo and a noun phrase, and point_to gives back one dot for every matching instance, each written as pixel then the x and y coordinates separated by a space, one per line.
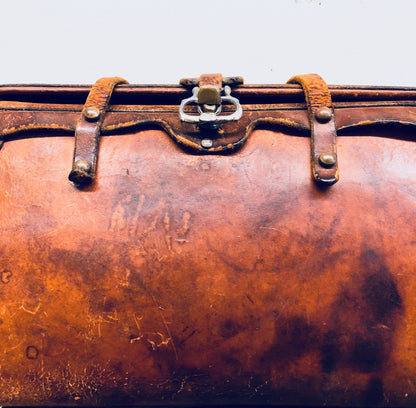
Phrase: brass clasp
pixel 209 98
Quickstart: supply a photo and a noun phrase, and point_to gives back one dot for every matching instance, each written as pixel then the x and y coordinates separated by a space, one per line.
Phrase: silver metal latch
pixel 210 102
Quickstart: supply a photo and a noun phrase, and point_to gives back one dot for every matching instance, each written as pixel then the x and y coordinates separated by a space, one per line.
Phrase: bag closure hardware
pixel 209 95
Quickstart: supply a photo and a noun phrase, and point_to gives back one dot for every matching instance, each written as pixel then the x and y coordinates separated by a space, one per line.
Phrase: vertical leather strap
pixel 88 129
pixel 323 129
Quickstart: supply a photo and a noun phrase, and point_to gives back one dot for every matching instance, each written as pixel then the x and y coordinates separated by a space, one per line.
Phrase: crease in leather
pixel 275 122
pixel 21 132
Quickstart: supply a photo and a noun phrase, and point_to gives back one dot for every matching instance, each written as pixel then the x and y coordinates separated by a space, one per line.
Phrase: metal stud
pixel 81 173
pixel 82 166
pixel 91 114
pixel 323 115
pixel 206 143
pixel 327 159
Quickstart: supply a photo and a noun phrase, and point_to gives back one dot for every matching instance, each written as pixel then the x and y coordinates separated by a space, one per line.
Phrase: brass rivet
pixel 82 166
pixel 327 159
pixel 207 143
pixel 210 95
pixel 92 114
pixel 323 115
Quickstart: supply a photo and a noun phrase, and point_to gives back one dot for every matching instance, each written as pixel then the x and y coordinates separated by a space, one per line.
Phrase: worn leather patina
pixel 185 275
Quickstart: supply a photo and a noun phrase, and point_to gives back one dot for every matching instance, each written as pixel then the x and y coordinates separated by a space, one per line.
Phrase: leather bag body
pixel 207 264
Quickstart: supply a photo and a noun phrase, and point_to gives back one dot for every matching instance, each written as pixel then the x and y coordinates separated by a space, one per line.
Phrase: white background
pixel 356 42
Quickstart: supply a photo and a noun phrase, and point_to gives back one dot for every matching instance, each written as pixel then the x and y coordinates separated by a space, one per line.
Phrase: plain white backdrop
pixel 356 42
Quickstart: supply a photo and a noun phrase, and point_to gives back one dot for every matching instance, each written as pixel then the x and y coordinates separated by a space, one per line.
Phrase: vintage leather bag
pixel 208 243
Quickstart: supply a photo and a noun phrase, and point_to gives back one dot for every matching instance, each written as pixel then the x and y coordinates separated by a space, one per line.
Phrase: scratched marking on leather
pixel 32 352
pixel 96 322
pixel 155 339
pixel 135 220
pixel 168 237
pixel 125 216
pixel 131 216
pixel 118 217
pixel 137 321
pixel 152 226
pixel 32 312
pixel 158 340
pixel 185 224
pixel 5 277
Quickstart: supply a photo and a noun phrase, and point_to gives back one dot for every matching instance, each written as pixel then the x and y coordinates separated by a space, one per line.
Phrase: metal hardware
pixel 209 95
pixel 206 143
pixel 323 115
pixel 92 114
pixel 209 113
pixel 81 173
pixel 327 159
pixel 82 166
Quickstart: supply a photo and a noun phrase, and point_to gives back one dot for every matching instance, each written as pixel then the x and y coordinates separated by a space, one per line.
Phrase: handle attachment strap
pixel 324 161
pixel 87 133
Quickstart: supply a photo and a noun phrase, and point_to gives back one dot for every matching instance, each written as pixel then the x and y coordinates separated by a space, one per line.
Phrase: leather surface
pixel 187 278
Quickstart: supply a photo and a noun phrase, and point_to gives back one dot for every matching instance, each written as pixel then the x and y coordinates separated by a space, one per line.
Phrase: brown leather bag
pixel 216 243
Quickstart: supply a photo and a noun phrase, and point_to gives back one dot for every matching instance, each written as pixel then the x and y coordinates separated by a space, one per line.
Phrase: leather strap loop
pixel 88 130
pixel 324 160
pixel 211 80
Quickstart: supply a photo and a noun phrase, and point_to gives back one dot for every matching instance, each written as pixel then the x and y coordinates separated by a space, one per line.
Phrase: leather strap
pixel 88 130
pixel 230 81
pixel 211 80
pixel 324 160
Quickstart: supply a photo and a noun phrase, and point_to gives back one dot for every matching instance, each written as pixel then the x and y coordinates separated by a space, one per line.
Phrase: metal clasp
pixel 209 101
